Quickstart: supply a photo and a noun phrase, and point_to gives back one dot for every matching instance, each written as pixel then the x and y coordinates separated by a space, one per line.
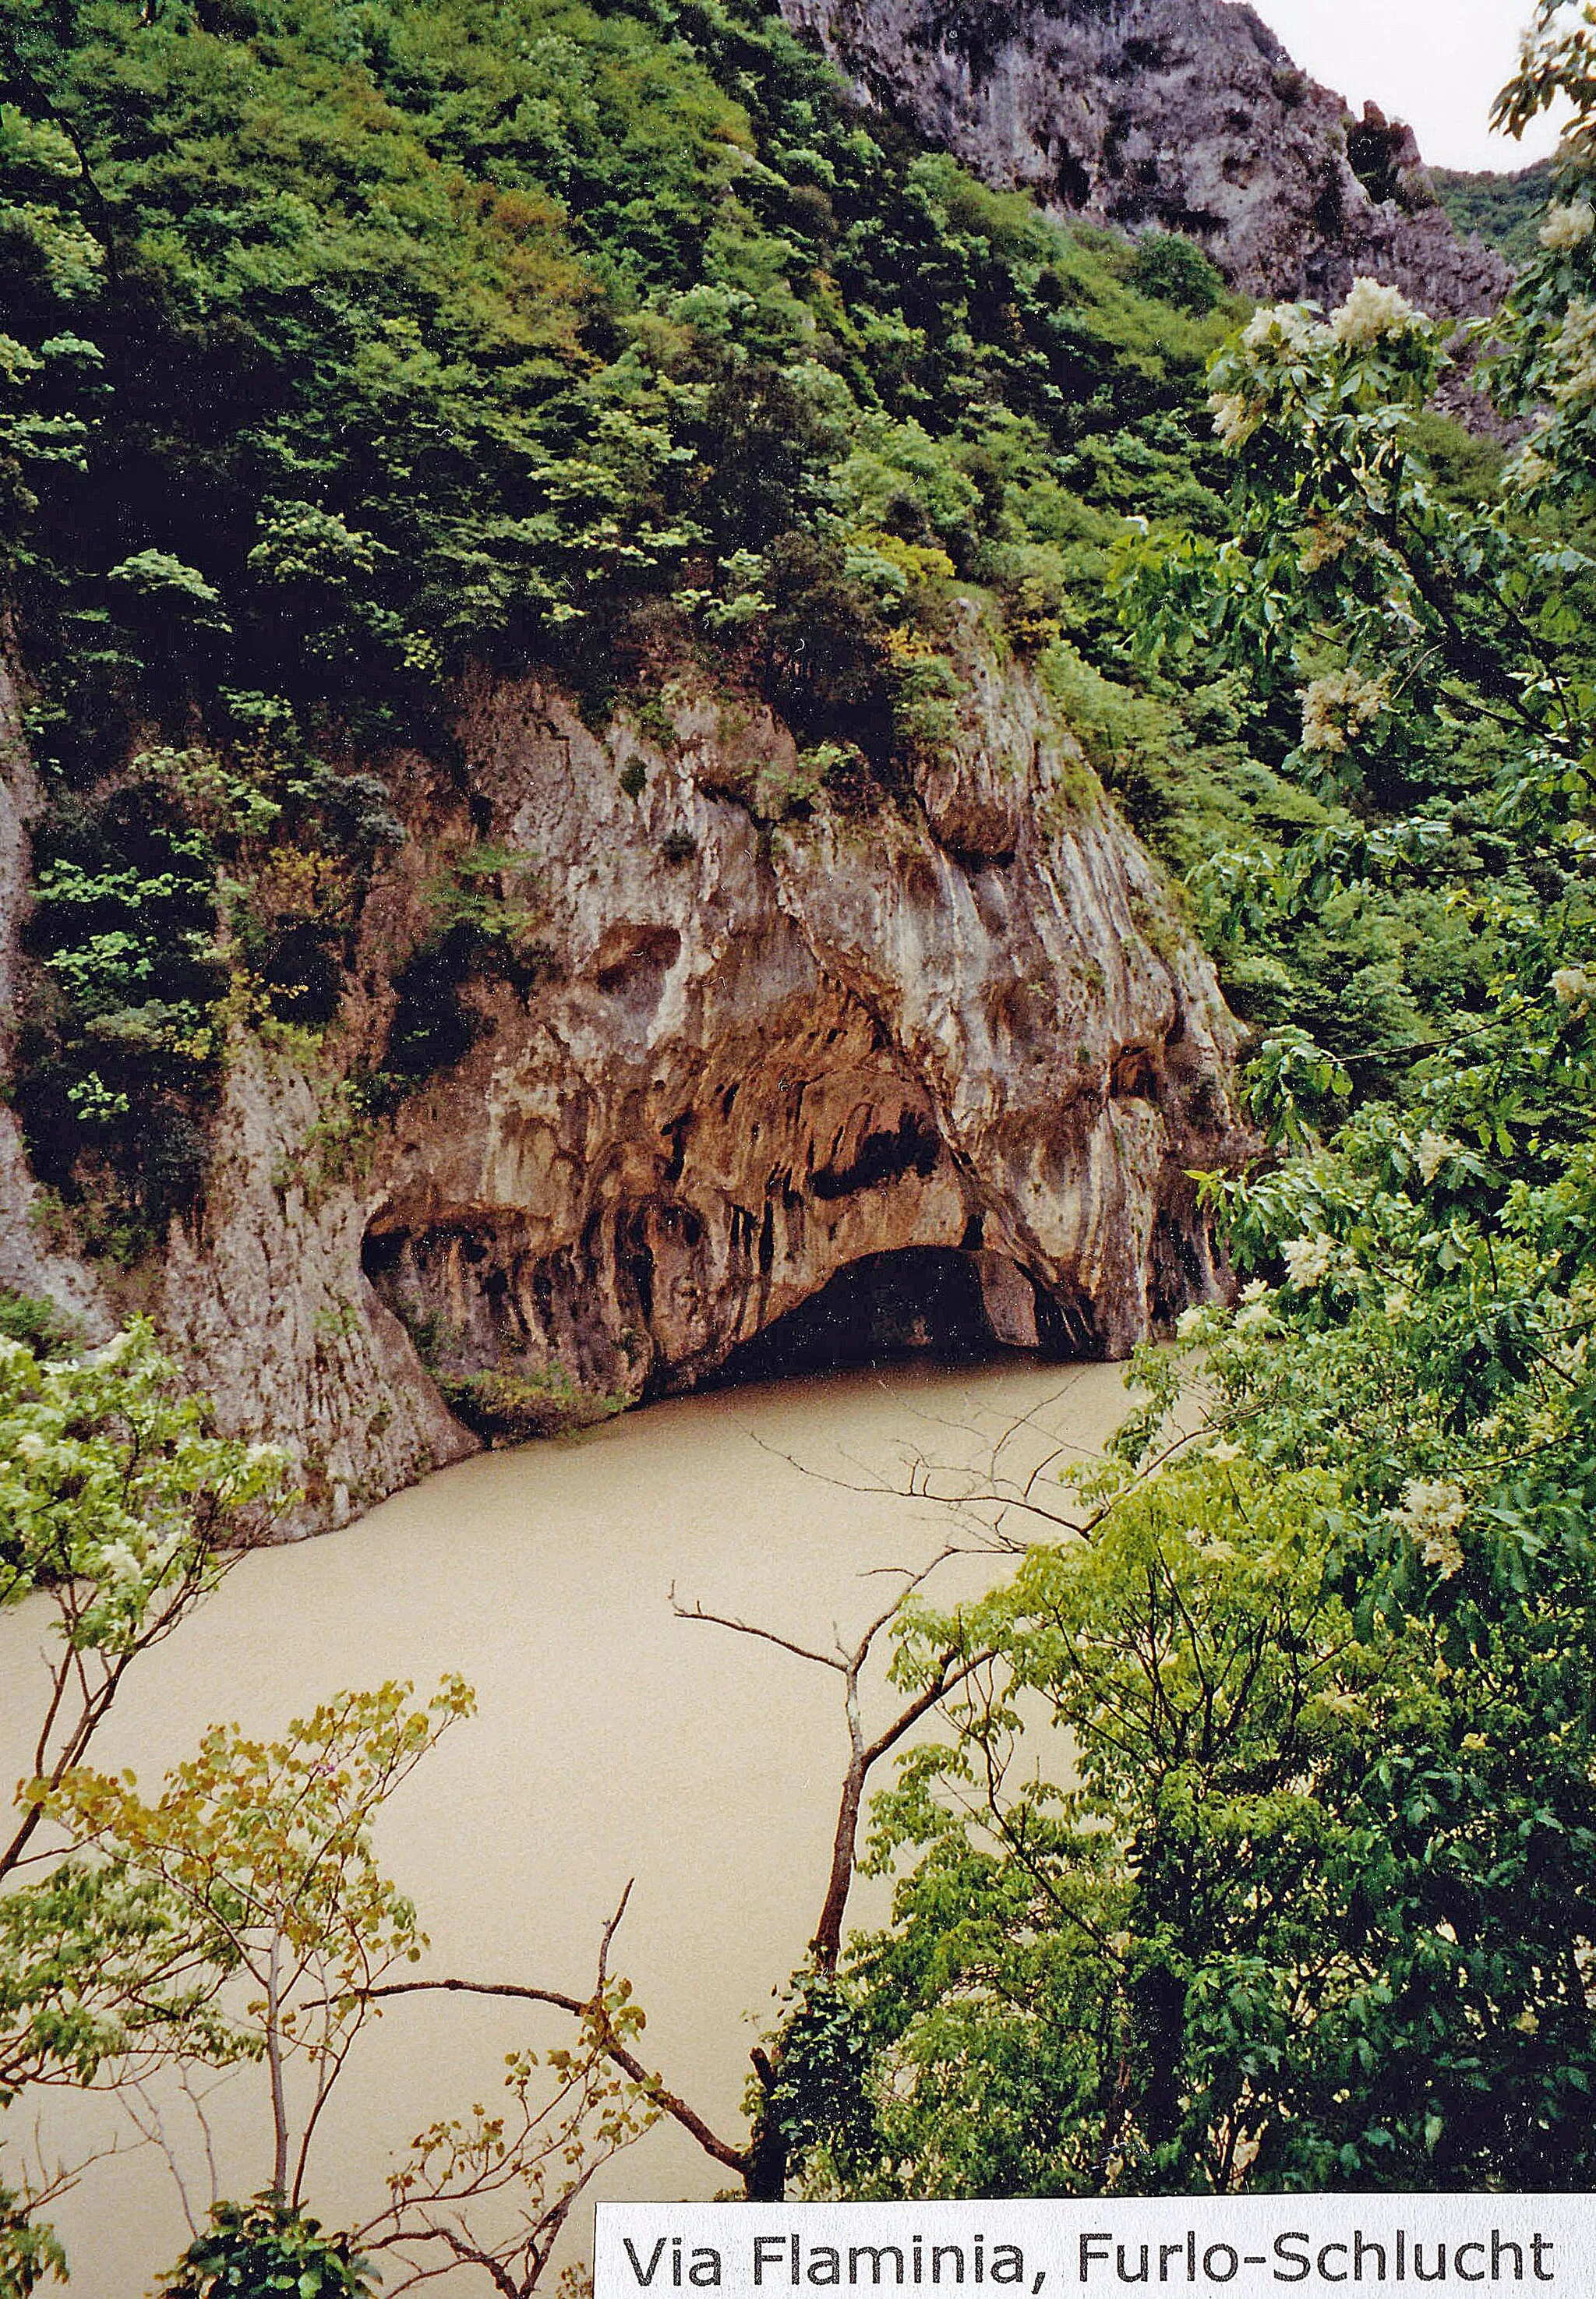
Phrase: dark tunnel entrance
pixel 921 1302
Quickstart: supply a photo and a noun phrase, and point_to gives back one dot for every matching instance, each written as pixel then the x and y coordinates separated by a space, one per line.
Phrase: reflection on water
pixel 612 1740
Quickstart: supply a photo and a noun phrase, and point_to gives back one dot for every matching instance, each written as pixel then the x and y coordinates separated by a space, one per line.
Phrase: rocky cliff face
pixel 763 1047
pixel 1179 115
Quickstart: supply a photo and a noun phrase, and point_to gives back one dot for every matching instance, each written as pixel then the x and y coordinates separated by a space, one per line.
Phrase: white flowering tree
pixel 1351 577
pixel 120 1508
pixel 1318 1904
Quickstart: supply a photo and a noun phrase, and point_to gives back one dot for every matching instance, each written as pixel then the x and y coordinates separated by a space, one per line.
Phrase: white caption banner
pixel 1322 2246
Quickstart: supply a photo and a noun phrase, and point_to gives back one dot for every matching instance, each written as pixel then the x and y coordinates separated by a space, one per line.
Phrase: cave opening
pixel 921 1302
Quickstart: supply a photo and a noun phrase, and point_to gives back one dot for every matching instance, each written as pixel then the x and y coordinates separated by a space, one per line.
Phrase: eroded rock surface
pixel 1180 115
pixel 264 1296
pixel 971 1025
pixel 757 1050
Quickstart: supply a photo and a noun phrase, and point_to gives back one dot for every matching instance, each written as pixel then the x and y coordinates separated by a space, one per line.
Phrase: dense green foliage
pixel 415 332
pixel 1297 1914
pixel 1507 210
pixel 251 2251
pixel 1303 1900
pixel 351 349
pixel 118 1504
pixel 346 348
pixel 40 1325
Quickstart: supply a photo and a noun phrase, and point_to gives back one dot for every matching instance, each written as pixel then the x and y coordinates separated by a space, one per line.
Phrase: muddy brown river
pixel 611 1741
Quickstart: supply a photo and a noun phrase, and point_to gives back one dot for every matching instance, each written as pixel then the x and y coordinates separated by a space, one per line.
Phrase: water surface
pixel 612 1741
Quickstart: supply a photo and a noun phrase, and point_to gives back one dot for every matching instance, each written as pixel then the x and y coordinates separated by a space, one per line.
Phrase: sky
pixel 1435 63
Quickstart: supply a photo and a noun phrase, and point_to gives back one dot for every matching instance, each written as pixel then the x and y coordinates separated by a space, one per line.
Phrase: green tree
pixel 1303 1900
pixel 1104 1948
pixel 265 1848
pixel 262 1854
pixel 253 2250
pixel 121 1511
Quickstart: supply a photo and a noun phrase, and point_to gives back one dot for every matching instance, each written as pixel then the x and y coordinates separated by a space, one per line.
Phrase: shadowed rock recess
pixel 954 1058
pixel 1173 115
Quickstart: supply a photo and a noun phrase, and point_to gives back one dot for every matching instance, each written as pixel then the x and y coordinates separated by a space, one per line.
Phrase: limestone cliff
pixel 1179 115
pixel 767 1039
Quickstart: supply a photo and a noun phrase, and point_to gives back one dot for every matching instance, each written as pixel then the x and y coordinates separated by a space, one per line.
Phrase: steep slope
pixel 761 1047
pixel 1182 115
pixel 561 584
pixel 1506 209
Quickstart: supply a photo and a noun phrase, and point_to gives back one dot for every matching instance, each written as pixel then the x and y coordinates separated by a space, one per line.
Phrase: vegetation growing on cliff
pixel 349 345
pixel 1311 1909
pixel 344 350
pixel 506 317
pixel 352 348
pixel 1506 209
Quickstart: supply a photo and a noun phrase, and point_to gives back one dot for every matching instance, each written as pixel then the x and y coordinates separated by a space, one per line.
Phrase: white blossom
pixel 1431 1514
pixel 121 1562
pixel 1257 1289
pixel 1445 1552
pixel 1283 327
pixel 1370 312
pixel 1189 1322
pixel 1235 418
pixel 1573 987
pixel 1337 707
pixel 1434 1149
pixel 1255 1313
pixel 1527 470
pixel 166 1548
pixel 1576 349
pixel 1399 1304
pixel 1309 1261
pixel 1567 226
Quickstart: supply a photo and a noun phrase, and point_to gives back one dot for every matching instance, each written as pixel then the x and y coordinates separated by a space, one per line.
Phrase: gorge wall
pixel 1178 115
pixel 764 1041
pixel 930 1054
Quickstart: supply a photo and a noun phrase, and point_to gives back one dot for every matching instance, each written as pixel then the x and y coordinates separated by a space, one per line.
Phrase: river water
pixel 612 1741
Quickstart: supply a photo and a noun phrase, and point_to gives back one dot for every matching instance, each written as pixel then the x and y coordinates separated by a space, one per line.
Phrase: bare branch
pixel 748 1629
pixel 610 1929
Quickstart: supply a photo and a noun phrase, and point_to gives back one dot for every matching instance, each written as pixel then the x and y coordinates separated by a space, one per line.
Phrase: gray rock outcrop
pixel 1176 115
pixel 762 1047
pixel 971 1025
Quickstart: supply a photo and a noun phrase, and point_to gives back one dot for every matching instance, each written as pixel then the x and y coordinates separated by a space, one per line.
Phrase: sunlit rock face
pixel 953 1042
pixel 768 1051
pixel 1176 115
